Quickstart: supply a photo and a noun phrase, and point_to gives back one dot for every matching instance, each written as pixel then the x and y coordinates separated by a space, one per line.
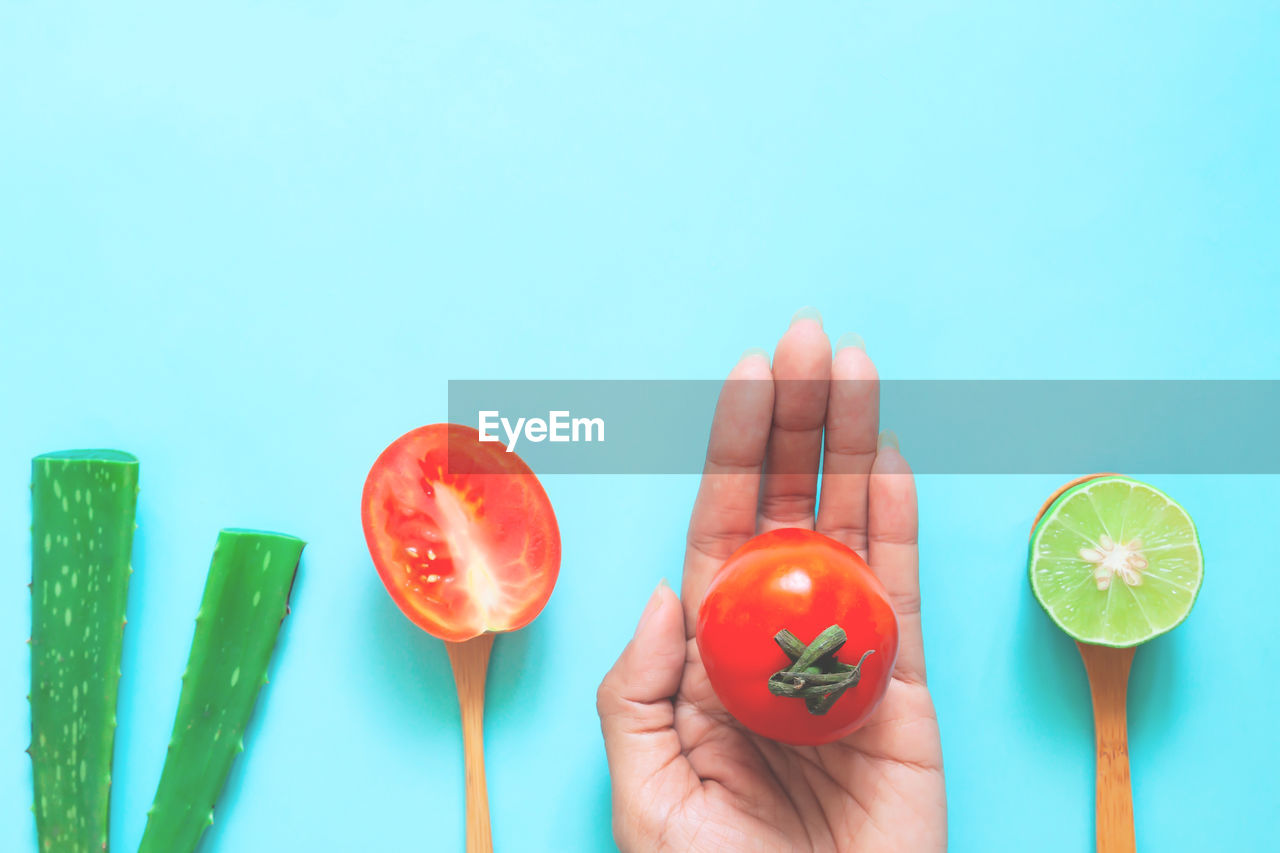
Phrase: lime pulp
pixel 1115 562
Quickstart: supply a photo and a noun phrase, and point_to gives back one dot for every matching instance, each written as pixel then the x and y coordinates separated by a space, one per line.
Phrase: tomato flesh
pixel 804 582
pixel 461 532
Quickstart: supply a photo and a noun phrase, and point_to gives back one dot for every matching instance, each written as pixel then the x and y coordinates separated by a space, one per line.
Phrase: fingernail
pixel 807 313
pixel 654 601
pixel 851 339
pixel 888 438
pixel 754 351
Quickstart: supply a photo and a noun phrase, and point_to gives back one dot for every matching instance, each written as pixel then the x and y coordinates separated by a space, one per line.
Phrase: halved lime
pixel 1115 562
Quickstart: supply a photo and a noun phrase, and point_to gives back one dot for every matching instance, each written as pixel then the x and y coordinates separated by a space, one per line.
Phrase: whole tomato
pixel 802 591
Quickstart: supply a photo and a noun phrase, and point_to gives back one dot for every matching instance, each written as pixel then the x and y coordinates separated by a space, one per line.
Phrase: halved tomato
pixel 461 532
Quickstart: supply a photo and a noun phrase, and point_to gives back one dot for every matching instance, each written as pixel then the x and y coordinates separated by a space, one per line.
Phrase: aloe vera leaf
pixel 83 508
pixel 246 597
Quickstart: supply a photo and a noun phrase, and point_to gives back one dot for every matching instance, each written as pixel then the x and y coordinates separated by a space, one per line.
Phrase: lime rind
pixel 1106 600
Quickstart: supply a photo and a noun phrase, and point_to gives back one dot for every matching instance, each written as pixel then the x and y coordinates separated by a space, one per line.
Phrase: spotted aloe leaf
pixel 83 508
pixel 246 596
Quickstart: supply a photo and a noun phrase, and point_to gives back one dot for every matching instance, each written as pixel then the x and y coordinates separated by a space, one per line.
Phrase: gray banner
pixel 945 426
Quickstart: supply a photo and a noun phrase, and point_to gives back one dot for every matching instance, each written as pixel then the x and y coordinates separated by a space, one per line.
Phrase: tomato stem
pixel 814 674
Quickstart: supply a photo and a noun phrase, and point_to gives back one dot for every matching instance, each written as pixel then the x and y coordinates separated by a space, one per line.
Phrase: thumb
pixel 637 714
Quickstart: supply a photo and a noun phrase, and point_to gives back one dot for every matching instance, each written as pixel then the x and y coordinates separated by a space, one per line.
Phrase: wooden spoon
pixel 1108 671
pixel 470 661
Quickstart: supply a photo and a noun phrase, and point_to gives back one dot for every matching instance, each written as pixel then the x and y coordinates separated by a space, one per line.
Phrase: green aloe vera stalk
pixel 83 505
pixel 246 596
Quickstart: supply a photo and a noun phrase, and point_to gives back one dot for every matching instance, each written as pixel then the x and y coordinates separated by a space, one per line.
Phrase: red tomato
pixel 803 582
pixel 461 532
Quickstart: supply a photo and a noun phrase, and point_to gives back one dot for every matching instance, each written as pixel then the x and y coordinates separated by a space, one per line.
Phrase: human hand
pixel 686 775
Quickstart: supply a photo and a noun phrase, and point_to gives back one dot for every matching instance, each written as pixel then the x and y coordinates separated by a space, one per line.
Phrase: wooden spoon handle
pixel 1108 682
pixel 470 660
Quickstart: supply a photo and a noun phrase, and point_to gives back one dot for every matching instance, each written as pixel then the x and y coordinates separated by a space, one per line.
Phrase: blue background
pixel 251 243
